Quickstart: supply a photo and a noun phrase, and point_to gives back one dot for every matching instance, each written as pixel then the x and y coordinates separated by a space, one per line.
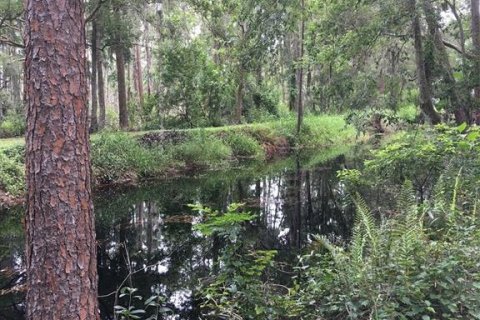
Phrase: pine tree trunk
pixel 300 73
pixel 139 76
pixel 426 104
pixel 60 231
pixel 93 81
pixel 475 8
pixel 101 91
pixel 239 95
pixel 148 55
pixel 100 77
pixel 122 89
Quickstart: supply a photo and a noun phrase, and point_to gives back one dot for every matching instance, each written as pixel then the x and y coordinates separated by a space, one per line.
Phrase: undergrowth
pixel 120 157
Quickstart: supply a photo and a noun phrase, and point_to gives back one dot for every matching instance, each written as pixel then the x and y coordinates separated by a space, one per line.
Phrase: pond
pixel 147 230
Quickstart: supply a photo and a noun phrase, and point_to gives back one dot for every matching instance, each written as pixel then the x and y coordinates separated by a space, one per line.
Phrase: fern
pixel 456 187
pixel 366 223
pixel 407 233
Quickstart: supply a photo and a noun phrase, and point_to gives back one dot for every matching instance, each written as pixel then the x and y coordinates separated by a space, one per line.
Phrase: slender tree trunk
pixel 60 231
pixel 100 77
pixel 239 94
pixel 129 81
pixel 300 72
pixel 475 8
pixel 148 55
pixel 426 104
pixel 139 75
pixel 458 106
pixel 93 81
pixel 293 78
pixel 122 88
pixel 101 91
pixel 241 79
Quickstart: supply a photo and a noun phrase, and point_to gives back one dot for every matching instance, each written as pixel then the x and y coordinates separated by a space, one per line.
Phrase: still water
pixel 147 230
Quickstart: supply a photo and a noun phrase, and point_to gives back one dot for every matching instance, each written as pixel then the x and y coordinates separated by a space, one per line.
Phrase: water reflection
pixel 147 233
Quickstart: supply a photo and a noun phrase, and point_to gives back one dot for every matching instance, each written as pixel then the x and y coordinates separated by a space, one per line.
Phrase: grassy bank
pixel 131 157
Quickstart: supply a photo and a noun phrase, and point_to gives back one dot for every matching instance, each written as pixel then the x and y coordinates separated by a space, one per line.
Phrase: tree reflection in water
pixel 151 226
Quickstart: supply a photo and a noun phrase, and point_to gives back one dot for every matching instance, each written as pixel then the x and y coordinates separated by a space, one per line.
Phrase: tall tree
pixel 60 234
pixel 475 10
pixel 139 76
pixel 426 104
pixel 100 77
pixel 441 59
pixel 119 49
pixel 93 79
pixel 300 70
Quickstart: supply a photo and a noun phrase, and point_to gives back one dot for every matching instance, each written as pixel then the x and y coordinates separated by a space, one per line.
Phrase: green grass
pixel 11 142
pixel 119 157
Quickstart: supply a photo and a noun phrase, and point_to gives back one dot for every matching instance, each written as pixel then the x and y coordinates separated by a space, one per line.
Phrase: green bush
pixel 422 157
pixel 12 126
pixel 12 174
pixel 408 113
pixel 244 146
pixel 117 154
pixel 202 150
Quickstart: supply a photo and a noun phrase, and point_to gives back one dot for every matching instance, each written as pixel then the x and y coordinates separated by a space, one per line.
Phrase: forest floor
pixel 131 157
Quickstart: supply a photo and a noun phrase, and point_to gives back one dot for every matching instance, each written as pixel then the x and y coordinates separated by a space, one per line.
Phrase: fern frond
pixel 357 245
pixel 406 199
pixel 364 219
pixel 456 188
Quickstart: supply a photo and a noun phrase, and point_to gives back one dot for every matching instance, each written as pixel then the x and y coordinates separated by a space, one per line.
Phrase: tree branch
pixel 459 50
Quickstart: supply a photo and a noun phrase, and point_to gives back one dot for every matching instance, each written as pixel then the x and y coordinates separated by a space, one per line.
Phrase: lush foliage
pixel 402 269
pixel 12 126
pixel 12 172
pixel 126 158
pixel 236 289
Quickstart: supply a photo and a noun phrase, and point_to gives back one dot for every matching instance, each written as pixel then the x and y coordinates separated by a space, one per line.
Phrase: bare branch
pixel 459 50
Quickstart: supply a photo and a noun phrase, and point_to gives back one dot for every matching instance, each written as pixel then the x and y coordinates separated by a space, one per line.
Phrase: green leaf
pixel 461 128
pixel 472 136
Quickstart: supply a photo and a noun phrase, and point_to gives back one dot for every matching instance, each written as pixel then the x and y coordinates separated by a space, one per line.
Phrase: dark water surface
pixel 151 226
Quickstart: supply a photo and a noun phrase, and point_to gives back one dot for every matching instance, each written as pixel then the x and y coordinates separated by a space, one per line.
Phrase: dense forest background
pixel 198 63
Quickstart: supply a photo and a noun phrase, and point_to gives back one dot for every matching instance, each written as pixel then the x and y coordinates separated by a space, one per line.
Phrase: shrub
pixel 117 154
pixel 395 270
pixel 12 126
pixel 408 113
pixel 12 174
pixel 244 146
pixel 202 150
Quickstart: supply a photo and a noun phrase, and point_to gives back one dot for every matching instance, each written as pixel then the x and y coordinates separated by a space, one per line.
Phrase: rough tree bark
pixel 93 80
pixel 426 104
pixel 60 234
